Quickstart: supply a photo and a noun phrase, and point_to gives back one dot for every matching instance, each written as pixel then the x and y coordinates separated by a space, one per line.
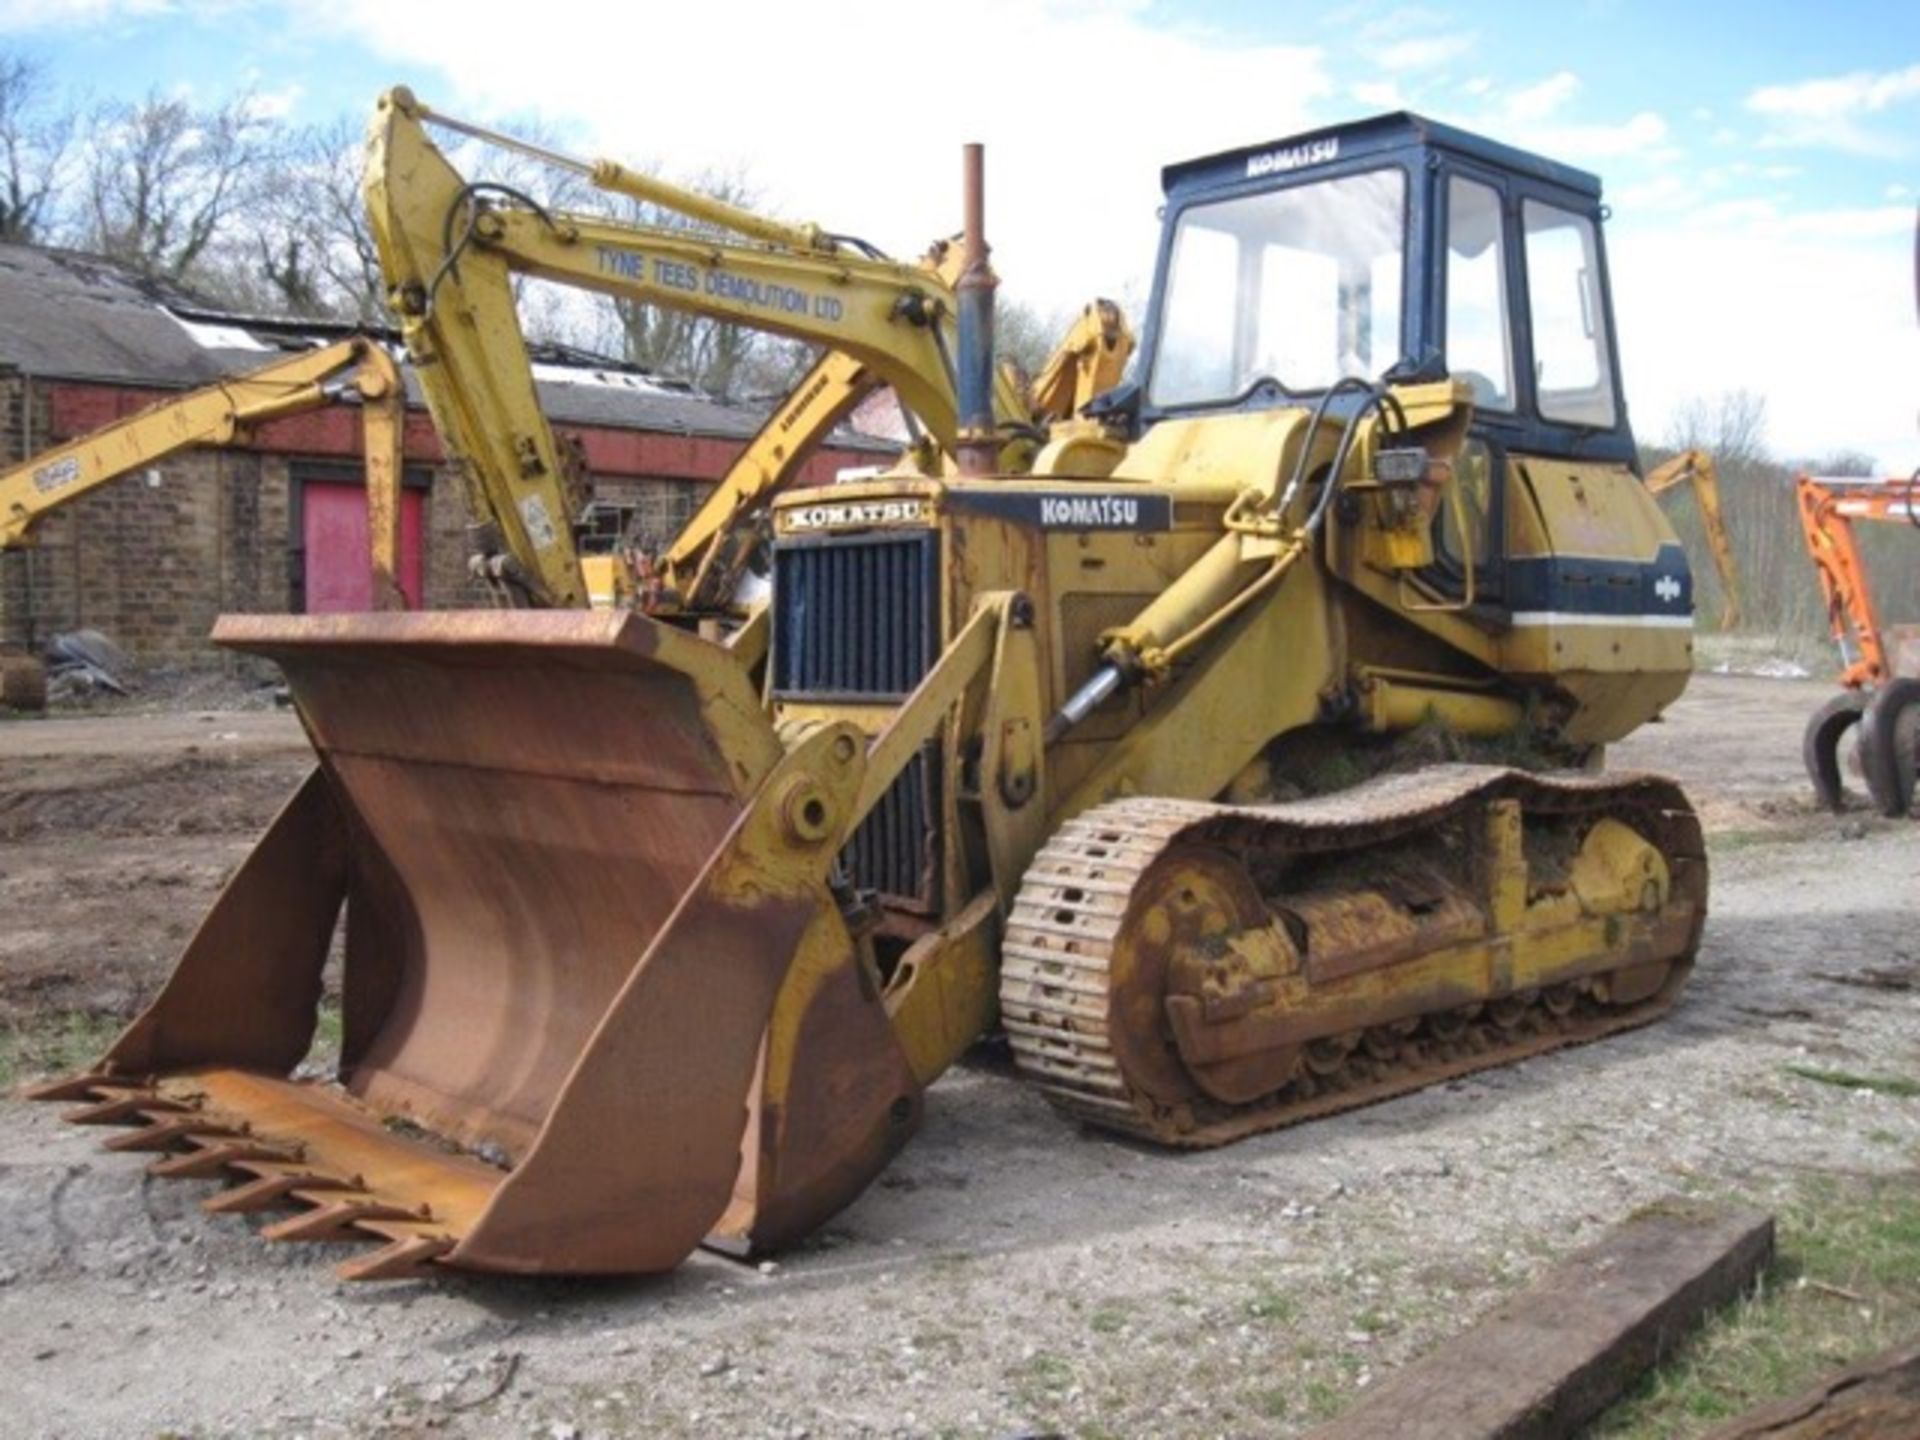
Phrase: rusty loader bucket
pixel 598 1001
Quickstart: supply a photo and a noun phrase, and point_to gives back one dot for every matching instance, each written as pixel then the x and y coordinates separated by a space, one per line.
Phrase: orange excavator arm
pixel 1828 507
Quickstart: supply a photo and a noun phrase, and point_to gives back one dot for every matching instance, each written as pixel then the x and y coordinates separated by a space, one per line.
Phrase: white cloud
pixel 1637 135
pixel 1832 112
pixel 275 104
pixel 1716 289
pixel 1424 53
pixel 1380 95
pixel 1662 192
pixel 832 127
pixel 1862 92
pixel 1812 310
pixel 1536 102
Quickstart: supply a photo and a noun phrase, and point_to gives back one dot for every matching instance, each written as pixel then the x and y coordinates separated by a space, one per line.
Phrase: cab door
pixel 1480 293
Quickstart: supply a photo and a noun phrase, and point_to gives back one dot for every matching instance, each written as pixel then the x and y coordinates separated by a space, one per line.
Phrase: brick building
pixel 278 523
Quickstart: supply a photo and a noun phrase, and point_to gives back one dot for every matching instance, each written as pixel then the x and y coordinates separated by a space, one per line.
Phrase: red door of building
pixel 333 520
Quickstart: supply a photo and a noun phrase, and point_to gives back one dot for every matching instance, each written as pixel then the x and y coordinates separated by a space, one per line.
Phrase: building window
pixel 604 526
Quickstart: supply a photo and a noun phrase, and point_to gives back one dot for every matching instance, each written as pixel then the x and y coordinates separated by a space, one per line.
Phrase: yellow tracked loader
pixel 1241 761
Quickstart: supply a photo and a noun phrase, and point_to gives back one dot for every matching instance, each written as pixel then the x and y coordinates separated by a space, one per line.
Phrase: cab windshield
pixel 1300 285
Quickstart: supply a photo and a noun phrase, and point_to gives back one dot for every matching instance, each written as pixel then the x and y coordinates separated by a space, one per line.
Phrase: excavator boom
pixel 222 413
pixel 1697 466
pixel 219 414
pixel 450 250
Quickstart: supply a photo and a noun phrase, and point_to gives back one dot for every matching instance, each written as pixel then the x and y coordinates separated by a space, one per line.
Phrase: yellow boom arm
pixel 450 251
pixel 221 414
pixel 698 571
pixel 1698 466
pixel 1089 360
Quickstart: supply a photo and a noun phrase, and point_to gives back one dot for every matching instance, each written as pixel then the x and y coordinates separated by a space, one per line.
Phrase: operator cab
pixel 1392 248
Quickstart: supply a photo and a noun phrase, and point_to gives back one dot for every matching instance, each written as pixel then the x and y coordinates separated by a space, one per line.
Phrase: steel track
pixel 1056 981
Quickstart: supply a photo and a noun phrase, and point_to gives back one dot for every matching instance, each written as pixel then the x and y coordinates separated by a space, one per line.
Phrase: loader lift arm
pixel 1697 466
pixel 222 414
pixel 450 250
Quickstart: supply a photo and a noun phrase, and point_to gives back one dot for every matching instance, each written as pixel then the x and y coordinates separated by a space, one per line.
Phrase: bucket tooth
pixel 406 1258
pixel 77 1087
pixel 211 1159
pixel 167 1130
pixel 270 1191
pixel 335 1219
pixel 126 1105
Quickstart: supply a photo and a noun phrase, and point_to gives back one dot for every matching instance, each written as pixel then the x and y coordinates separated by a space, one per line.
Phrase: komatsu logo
pixel 869 512
pixel 1293 157
pixel 1089 512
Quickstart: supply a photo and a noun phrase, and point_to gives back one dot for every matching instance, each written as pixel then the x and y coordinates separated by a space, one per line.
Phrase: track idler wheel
pixel 1890 745
pixel 1820 747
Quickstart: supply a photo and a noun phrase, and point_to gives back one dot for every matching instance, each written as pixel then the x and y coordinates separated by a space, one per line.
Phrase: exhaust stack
pixel 978 447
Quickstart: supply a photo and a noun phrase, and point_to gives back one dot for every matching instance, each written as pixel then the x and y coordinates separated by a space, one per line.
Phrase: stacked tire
pixel 1889 745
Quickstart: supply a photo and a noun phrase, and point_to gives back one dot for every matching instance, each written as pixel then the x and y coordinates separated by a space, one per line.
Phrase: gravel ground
pixel 1010 1274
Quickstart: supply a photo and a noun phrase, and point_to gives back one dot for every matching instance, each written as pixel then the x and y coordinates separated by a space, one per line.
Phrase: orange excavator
pixel 1878 697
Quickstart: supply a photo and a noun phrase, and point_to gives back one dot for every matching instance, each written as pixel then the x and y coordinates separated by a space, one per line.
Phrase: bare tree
pixel 35 135
pixel 1021 334
pixel 1731 427
pixel 311 238
pixel 164 181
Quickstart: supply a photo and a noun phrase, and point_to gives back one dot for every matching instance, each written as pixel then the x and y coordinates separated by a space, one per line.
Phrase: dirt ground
pixel 1010 1274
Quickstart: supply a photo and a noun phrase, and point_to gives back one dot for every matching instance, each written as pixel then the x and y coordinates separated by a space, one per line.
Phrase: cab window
pixel 1478 347
pixel 1572 361
pixel 1474 474
pixel 1300 285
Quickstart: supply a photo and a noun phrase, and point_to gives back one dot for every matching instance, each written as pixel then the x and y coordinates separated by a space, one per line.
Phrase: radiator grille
pixel 856 618
pixel 895 850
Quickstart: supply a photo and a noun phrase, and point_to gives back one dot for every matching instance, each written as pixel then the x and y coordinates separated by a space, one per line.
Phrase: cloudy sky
pixel 1762 161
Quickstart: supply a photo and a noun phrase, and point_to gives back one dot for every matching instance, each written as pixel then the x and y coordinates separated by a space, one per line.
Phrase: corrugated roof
pixel 73 316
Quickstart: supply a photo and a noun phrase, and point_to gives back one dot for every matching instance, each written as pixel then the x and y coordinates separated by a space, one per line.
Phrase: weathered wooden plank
pixel 1877 1400
pixel 1559 1353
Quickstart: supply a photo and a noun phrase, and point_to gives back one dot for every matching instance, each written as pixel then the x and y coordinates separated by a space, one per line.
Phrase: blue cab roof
pixel 1379 135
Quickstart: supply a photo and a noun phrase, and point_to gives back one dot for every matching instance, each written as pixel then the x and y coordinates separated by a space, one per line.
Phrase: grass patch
pixel 1324 1399
pixel 1048 1371
pixel 53 1045
pixel 1840 1290
pixel 327 1032
pixel 1270 1305
pixel 1898 1086
pixel 1273 1402
pixel 1108 1320
pixel 1723 842
pixel 1372 1322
